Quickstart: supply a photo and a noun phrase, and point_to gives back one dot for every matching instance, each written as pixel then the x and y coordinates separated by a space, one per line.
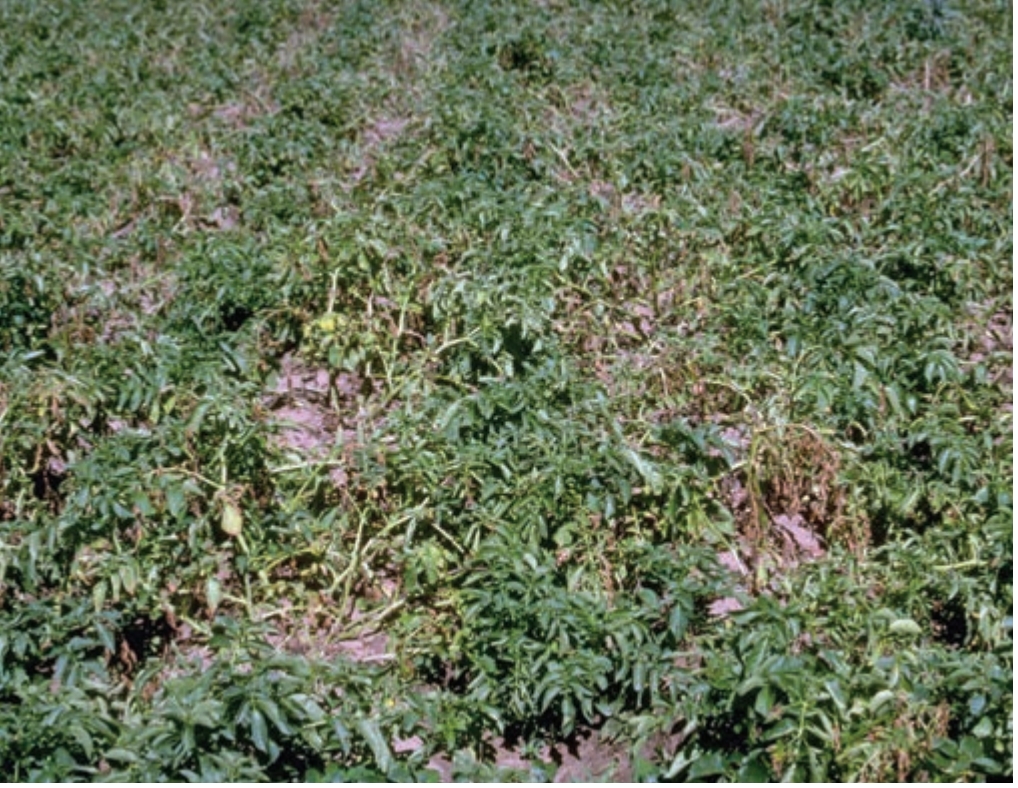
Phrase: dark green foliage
pixel 385 384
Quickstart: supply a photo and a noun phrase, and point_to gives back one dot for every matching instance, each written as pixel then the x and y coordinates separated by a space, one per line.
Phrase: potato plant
pixel 506 391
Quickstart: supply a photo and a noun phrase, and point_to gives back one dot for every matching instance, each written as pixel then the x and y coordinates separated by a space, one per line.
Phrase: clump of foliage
pixel 384 387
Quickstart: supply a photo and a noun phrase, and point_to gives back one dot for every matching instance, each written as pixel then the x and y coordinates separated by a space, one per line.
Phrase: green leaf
pixel 143 504
pixel 707 765
pixel 783 727
pixel 259 730
pixel 904 626
pixel 372 734
pixel 880 699
pixel 105 637
pixel 129 577
pixel 309 706
pixel 176 502
pixel 678 621
pixel 273 712
pixel 754 770
pixel 764 701
pixel 99 596
pixel 651 476
pixel 837 695
pixel 984 729
pixel 119 754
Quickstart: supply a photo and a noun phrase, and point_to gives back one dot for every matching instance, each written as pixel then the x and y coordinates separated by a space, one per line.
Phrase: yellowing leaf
pixel 233 521
pixel 213 594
